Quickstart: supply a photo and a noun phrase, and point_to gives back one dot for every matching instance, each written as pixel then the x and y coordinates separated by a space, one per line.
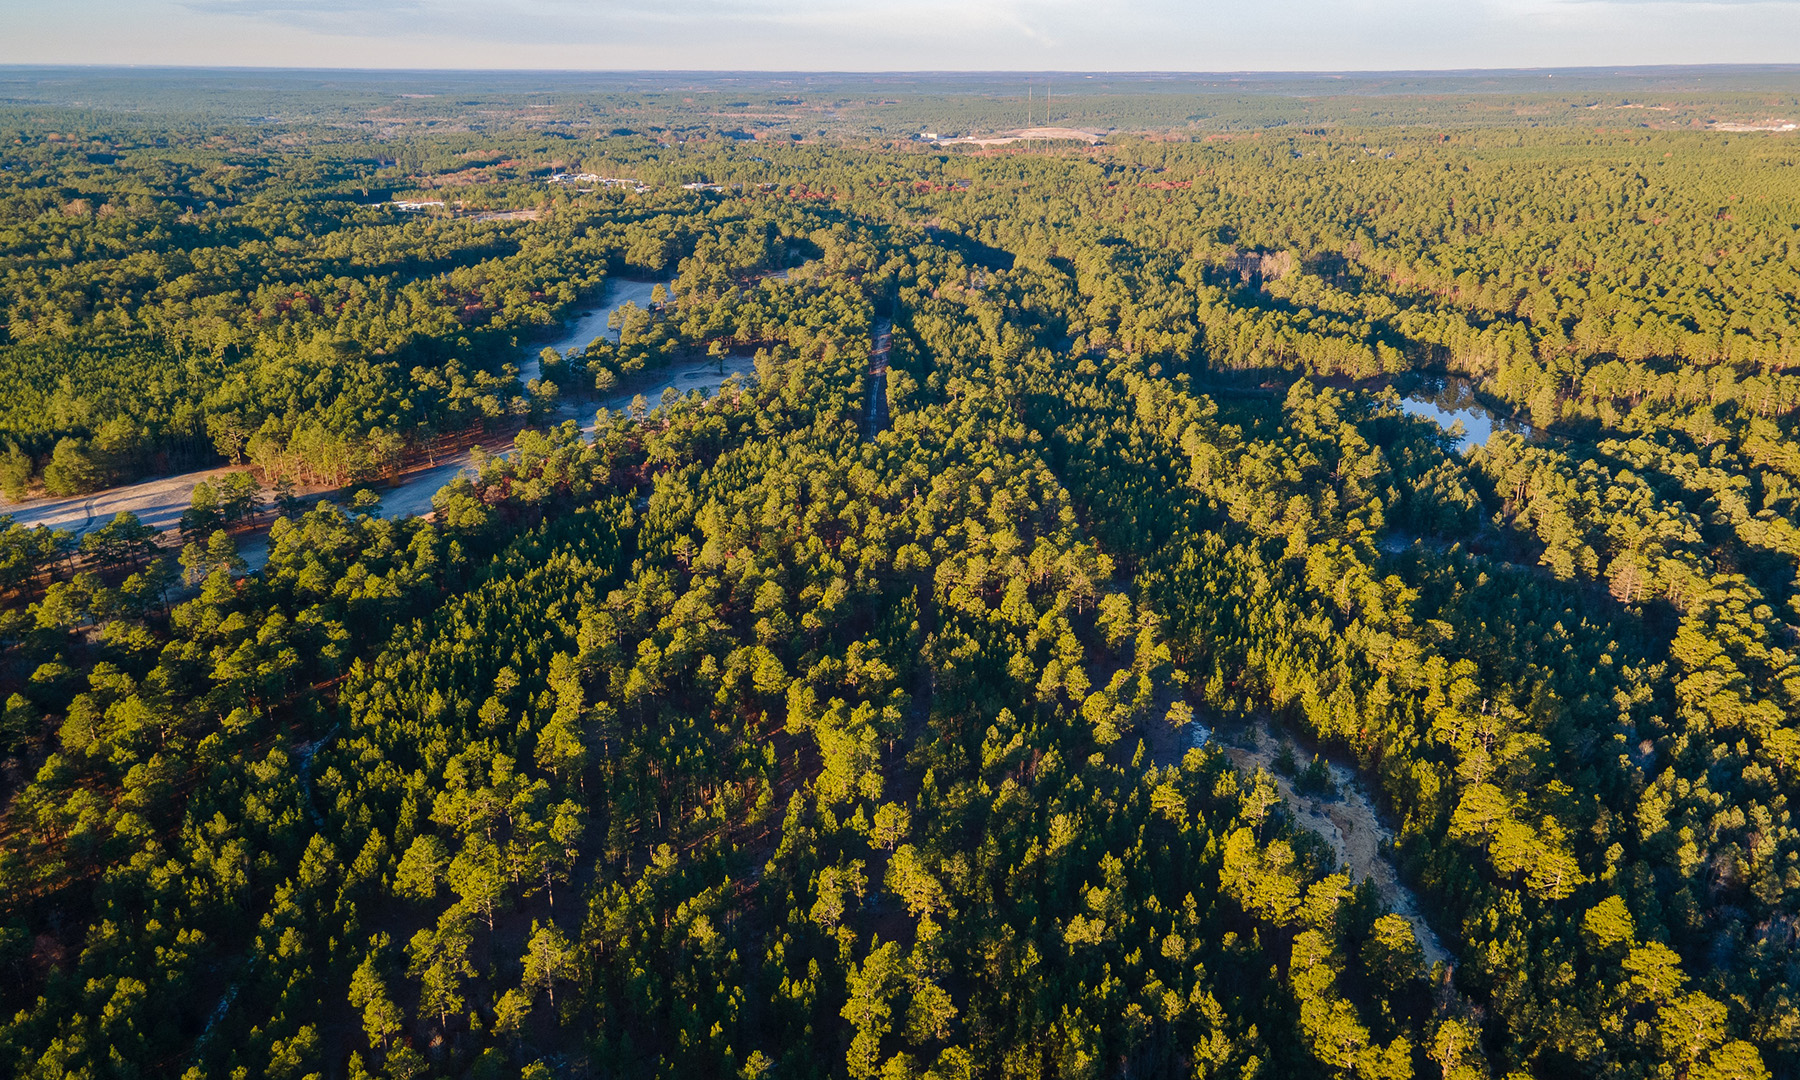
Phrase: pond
pixel 705 374
pixel 585 326
pixel 1449 400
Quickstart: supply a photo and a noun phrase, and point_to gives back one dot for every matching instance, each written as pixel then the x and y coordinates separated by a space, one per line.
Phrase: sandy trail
pixel 1350 825
pixel 158 502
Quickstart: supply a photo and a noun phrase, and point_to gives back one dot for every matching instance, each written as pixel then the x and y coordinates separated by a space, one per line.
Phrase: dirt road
pixel 878 368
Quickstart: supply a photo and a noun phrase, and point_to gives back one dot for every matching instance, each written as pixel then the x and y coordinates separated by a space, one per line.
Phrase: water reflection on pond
pixel 1449 400
pixel 584 327
pixel 702 373
pixel 412 494
pixel 706 374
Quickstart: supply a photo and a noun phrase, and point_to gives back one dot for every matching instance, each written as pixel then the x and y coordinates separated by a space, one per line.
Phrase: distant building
pixel 595 178
pixel 415 207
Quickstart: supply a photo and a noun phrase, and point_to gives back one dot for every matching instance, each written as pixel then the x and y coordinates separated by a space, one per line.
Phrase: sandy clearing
pixel 1025 135
pixel 590 324
pixel 1349 824
pixel 158 502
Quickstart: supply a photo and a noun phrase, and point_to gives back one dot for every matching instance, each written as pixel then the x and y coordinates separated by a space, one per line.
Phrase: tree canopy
pixel 761 732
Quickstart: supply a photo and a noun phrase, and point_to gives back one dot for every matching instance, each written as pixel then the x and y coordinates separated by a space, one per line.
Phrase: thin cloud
pixel 292 9
pixel 891 35
pixel 1684 3
pixel 560 22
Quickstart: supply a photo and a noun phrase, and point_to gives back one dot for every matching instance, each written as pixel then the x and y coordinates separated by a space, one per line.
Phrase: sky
pixel 901 35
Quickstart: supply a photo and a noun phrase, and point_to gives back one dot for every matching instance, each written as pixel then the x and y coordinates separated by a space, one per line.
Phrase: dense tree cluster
pixel 746 737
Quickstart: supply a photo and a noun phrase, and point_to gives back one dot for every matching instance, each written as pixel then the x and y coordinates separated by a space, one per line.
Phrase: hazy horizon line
pixel 1010 72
